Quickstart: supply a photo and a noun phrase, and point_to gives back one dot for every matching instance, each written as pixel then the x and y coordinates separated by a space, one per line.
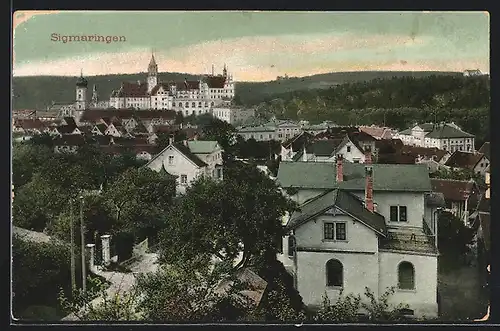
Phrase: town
pixel 181 201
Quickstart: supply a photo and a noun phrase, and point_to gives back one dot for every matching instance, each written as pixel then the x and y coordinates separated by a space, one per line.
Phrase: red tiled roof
pixel 95 115
pixel 396 158
pixel 29 124
pixel 165 128
pixel 377 132
pixel 137 90
pixel 485 149
pixel 150 114
pixel 188 85
pixel 423 151
pixel 165 86
pixel 215 81
pixel 70 140
pixel 454 190
pixel 464 160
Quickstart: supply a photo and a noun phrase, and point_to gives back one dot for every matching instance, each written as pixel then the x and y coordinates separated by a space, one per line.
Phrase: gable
pixel 181 151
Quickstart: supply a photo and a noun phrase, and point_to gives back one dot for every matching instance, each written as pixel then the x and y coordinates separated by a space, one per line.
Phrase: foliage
pixel 251 148
pixel 37 202
pixel 26 159
pixel 453 236
pixel 189 293
pixel 39 270
pixel 115 307
pixel 241 213
pixel 379 309
pixel 220 131
pixel 345 309
pixel 163 139
pixel 138 198
pixel 459 174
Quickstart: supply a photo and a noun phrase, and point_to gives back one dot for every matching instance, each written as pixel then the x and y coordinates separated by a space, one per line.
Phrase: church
pixel 191 97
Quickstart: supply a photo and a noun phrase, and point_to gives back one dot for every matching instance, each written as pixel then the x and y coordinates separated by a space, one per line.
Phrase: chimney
pixel 185 143
pixel 368 157
pixel 369 188
pixel 105 249
pixel 170 140
pixel 340 170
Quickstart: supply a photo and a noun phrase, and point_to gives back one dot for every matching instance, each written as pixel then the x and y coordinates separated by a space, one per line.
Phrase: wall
pixel 354 153
pixel 360 271
pixel 359 236
pixel 414 202
pixel 423 300
pixel 482 166
pixel 180 166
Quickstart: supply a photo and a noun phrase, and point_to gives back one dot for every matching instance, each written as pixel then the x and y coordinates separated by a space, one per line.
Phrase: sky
pixel 256 46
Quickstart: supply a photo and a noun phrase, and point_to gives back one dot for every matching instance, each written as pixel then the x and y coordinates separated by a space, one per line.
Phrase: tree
pixel 379 309
pixel 345 309
pixel 240 214
pixel 120 306
pixel 138 198
pixel 220 131
pixel 27 160
pixel 453 237
pixel 190 293
pixel 39 270
pixel 37 203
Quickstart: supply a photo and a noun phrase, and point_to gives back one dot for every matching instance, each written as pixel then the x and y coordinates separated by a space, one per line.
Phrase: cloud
pixel 262 58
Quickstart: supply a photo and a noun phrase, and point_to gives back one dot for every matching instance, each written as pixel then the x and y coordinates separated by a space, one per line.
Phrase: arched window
pixel 334 273
pixel 406 276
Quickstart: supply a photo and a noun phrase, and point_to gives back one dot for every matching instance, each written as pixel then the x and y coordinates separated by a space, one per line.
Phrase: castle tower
pixel 95 97
pixel 81 93
pixel 224 71
pixel 152 73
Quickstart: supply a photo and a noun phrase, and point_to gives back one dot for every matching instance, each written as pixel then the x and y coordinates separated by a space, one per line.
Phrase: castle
pixel 189 97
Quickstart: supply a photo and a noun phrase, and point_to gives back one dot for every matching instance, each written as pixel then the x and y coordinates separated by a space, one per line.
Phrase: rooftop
pixel 386 177
pixel 464 160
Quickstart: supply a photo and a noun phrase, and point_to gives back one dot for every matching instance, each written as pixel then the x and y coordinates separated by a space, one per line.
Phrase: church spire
pixel 152 67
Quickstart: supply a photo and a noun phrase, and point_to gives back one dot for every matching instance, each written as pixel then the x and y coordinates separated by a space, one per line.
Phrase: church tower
pixel 152 74
pixel 224 71
pixel 81 93
pixel 95 97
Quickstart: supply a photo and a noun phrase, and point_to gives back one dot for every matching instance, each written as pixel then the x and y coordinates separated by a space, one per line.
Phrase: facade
pixel 476 162
pixel 231 114
pixel 460 196
pixel 357 227
pixel 445 136
pixel 188 161
pixel 281 130
pixel 189 97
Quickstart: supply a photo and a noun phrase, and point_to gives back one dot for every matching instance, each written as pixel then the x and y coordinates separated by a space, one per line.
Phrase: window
pixel 170 159
pixel 348 149
pixel 406 276
pixel 183 179
pixel 291 245
pixel 335 231
pixel 398 214
pixel 334 273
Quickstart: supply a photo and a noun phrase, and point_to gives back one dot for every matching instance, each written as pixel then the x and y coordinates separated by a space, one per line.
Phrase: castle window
pixel 406 276
pixel 334 273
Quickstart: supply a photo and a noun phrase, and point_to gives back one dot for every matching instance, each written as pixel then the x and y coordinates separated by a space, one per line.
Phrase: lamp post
pixel 82 236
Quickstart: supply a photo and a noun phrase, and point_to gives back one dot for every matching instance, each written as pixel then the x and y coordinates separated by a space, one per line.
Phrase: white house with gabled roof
pixel 188 161
pixel 362 225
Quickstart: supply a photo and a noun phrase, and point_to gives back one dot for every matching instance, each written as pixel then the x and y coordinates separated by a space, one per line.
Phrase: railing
pixel 428 232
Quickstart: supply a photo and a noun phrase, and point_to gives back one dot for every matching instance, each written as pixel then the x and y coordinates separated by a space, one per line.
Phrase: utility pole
pixel 72 230
pixel 82 236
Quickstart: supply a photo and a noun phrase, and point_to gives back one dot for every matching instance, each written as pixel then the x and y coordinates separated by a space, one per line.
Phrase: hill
pixel 40 91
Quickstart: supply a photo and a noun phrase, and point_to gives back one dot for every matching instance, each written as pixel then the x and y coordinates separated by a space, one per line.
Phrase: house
pixel 315 129
pixel 259 133
pixel 446 136
pixel 188 161
pixel 99 129
pixel 485 149
pixel 28 126
pixel 363 140
pixel 68 143
pixel 295 144
pixel 471 73
pixel 361 225
pixel 232 114
pixel 378 132
pixel 460 196
pixel 115 129
pixel 326 150
pixel 476 162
